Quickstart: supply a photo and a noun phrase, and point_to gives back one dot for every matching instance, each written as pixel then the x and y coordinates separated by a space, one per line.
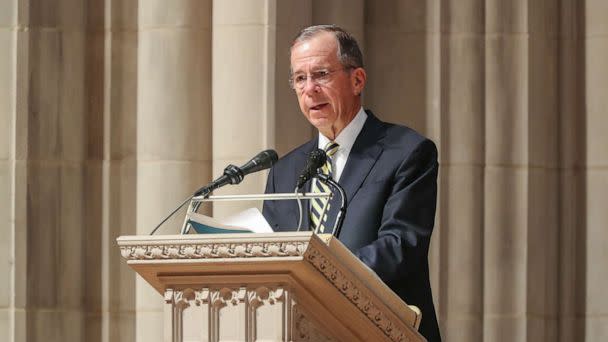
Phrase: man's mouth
pixel 319 106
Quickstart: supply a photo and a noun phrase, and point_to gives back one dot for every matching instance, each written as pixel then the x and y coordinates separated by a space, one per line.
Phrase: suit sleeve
pixel 407 219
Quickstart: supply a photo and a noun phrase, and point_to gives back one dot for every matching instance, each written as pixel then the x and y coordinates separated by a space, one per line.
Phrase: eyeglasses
pixel 319 77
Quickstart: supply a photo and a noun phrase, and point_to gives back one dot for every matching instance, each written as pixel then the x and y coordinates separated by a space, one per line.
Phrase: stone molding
pixel 206 250
pixel 355 295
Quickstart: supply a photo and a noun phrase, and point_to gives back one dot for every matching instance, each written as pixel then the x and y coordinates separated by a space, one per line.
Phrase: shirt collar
pixel 346 138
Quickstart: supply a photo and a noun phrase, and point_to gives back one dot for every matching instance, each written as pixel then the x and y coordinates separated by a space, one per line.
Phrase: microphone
pixel 234 174
pixel 316 159
pixel 264 160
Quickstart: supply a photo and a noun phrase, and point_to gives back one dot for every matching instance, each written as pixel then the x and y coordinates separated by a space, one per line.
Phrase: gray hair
pixel 349 53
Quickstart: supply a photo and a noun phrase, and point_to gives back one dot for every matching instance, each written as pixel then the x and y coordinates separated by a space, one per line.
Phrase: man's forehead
pixel 319 49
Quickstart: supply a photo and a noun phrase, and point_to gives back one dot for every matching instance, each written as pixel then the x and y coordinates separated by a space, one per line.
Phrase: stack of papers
pixel 247 221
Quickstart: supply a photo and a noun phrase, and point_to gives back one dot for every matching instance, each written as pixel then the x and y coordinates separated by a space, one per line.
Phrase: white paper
pixel 251 219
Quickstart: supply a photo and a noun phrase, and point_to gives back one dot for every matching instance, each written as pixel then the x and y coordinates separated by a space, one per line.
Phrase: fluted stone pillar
pixel 173 125
pixel 543 178
pixel 460 213
pixel 571 287
pixel 506 173
pixel 112 171
pixel 43 155
pixel 55 155
pixel 595 275
pixel 244 55
pixel 13 244
pixel 106 123
pixel 93 172
pixel 520 216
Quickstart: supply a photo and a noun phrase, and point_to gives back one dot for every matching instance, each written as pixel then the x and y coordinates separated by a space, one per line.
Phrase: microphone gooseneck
pixel 342 212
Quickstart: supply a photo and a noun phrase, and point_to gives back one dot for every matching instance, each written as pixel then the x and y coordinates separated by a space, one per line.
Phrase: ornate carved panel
pixel 282 318
pixel 304 330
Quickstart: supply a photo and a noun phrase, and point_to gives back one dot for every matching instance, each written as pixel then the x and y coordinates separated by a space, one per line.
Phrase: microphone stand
pixel 299 208
pixel 309 196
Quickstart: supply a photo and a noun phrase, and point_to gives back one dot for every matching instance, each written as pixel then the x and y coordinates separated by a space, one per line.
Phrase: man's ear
pixel 358 80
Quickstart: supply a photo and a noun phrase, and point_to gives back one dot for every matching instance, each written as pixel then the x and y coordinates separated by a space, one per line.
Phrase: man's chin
pixel 319 118
pixel 321 124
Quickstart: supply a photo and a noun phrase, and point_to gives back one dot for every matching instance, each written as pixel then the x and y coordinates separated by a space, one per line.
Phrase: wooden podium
pixel 268 287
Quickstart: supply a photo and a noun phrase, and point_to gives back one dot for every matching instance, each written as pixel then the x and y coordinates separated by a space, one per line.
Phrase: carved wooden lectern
pixel 268 287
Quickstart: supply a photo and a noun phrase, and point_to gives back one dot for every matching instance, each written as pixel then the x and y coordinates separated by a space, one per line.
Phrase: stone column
pixel 571 287
pixel 595 126
pixel 173 126
pixel 244 56
pixel 506 172
pixel 520 236
pixel 54 168
pixel 543 174
pixel 112 81
pixel 460 218
pixel 106 124
pixel 13 189
pixel 96 234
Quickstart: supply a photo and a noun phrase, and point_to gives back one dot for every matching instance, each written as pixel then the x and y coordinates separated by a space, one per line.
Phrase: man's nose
pixel 310 86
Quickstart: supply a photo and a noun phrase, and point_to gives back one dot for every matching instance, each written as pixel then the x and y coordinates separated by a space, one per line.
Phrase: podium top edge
pixel 217 238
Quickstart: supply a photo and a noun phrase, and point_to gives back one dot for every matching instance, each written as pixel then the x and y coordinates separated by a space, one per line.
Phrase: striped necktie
pixel 318 204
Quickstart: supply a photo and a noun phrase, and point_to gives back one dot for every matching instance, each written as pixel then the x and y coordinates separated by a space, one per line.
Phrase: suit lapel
pixel 363 156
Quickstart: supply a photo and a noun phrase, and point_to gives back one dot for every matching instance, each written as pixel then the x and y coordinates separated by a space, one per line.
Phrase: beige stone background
pixel 113 111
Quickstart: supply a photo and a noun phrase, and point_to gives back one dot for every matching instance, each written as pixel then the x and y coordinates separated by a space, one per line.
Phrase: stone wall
pixel 112 112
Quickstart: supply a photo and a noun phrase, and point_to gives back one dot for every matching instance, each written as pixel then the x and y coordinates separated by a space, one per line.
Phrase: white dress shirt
pixel 345 139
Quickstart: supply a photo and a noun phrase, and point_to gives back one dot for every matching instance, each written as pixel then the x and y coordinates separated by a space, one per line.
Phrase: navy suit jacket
pixel 390 180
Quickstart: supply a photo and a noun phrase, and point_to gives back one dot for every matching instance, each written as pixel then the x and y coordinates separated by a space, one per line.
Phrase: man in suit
pixel 389 172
